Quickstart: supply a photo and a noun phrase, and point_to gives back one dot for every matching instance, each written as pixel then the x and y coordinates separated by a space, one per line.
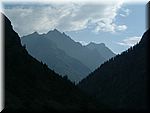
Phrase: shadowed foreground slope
pixel 32 86
pixel 121 83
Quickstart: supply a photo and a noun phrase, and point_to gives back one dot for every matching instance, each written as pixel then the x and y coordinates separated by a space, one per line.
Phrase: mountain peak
pixel 91 43
pixel 35 32
pixel 95 44
pixel 102 49
pixel 55 30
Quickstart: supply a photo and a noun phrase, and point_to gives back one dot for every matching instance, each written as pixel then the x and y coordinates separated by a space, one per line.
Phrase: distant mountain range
pixel 104 51
pixel 122 81
pixel 66 56
pixel 47 51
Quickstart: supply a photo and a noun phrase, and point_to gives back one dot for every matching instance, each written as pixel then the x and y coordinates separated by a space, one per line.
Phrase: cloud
pixel 121 27
pixel 65 17
pixel 131 41
pixel 125 12
pixel 109 26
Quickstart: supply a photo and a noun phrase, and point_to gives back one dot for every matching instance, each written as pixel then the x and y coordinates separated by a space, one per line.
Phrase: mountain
pixel 46 51
pixel 102 49
pixel 64 55
pixel 31 86
pixel 91 58
pixel 121 83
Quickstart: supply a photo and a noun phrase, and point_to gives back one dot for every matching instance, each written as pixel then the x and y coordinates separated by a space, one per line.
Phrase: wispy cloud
pixel 125 12
pixel 65 17
pixel 131 41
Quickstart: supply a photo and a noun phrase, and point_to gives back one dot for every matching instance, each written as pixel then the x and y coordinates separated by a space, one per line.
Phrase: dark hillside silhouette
pixel 31 86
pixel 121 82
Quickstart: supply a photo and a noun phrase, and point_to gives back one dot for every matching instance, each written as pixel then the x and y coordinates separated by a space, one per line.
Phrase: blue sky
pixel 135 22
pixel 118 25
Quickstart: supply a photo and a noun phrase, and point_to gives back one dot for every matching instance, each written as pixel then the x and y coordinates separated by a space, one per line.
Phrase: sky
pixel 118 24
